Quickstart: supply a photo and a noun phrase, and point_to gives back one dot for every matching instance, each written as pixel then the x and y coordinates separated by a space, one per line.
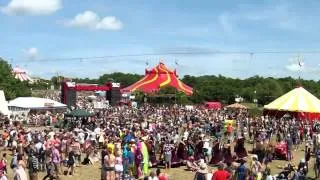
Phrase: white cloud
pixel 91 20
pixel 281 16
pixel 32 53
pixel 294 66
pixel 31 7
pixel 278 16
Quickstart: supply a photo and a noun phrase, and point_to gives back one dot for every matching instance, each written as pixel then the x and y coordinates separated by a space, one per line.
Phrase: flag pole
pixel 301 64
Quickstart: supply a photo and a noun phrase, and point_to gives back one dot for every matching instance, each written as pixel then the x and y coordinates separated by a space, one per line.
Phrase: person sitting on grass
pixel 191 164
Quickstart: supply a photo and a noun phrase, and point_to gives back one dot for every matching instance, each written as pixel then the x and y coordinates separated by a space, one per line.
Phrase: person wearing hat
pixel 201 174
pixel 221 174
pixel 255 166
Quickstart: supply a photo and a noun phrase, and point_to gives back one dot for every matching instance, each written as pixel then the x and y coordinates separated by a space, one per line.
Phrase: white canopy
pixel 35 103
pixel 3 104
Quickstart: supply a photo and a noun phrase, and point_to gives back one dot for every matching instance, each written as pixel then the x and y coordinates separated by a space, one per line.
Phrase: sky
pixel 60 37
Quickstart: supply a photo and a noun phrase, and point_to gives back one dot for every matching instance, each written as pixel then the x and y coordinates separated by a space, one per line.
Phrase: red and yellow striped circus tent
pixel 21 74
pixel 298 102
pixel 156 78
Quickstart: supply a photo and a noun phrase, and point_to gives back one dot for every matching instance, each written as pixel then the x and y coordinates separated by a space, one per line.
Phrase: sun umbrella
pixel 79 113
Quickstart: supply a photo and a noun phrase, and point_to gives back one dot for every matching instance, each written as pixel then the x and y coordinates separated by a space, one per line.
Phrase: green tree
pixel 12 87
pixel 221 88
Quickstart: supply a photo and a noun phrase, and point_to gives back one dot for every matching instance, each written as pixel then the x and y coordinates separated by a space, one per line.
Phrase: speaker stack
pixel 114 95
pixel 68 94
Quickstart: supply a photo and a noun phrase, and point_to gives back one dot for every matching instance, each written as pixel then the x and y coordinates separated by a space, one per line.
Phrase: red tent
pixel 213 105
pixel 156 78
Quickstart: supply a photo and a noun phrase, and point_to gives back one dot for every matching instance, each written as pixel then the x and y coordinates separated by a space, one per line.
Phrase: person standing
pixel 317 165
pixel 221 174
pixel 289 147
pixel 118 165
pixel 33 166
pixel 3 163
pixel 242 171
pixel 109 163
pixel 167 152
pixel 56 159
pixel 71 163
pixel 76 148
pixel 104 153
pixel 138 162
pixel 19 172
pixel 130 161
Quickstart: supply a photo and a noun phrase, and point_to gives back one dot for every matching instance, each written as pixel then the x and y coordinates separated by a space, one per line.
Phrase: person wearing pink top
pixel 56 159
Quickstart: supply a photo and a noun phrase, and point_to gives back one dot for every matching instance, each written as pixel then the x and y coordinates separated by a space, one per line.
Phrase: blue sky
pixel 36 33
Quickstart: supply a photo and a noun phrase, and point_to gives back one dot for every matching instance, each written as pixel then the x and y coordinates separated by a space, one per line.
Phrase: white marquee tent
pixel 34 103
pixel 3 104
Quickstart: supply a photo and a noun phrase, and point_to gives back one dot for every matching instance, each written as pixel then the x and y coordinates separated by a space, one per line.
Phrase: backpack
pixel 14 162
pixel 41 151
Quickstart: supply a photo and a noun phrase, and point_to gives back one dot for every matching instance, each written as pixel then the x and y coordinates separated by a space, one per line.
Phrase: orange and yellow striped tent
pixel 156 78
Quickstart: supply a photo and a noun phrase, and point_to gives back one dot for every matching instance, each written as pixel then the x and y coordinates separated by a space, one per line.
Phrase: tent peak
pixel 157 77
pixel 299 85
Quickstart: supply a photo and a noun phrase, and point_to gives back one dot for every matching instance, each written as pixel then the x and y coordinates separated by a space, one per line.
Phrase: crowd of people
pixel 146 142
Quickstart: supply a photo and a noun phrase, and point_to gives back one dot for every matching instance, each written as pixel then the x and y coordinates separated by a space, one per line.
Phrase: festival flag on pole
pixel 300 63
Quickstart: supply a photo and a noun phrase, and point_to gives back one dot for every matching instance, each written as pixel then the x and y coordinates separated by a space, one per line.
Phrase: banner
pixel 100 105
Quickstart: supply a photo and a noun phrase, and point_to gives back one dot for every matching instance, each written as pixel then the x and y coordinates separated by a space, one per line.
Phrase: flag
pixel 300 63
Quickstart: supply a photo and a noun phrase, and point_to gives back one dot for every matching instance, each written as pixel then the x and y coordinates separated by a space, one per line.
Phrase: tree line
pixel 221 88
pixel 206 88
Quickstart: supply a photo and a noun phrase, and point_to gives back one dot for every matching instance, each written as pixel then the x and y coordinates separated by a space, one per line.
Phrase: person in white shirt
pixel 207 150
pixel 81 137
pixel 97 130
pixel 38 146
pixel 29 137
pixel 185 135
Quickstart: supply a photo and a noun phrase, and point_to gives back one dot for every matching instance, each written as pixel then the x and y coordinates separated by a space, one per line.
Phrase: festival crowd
pixel 146 142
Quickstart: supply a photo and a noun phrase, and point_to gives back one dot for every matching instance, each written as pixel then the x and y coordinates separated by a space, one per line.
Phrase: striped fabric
pixel 156 78
pixel 21 74
pixel 297 100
